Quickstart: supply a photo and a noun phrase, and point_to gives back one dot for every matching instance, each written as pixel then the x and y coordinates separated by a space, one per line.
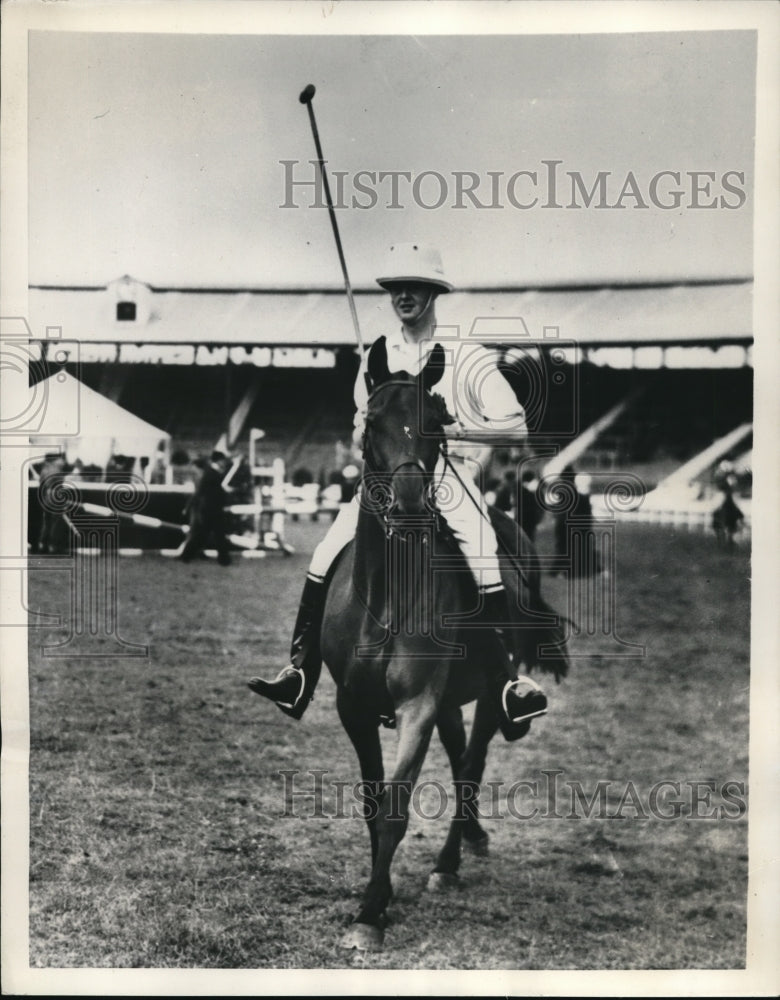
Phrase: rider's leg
pixel 521 697
pixel 466 513
pixel 293 688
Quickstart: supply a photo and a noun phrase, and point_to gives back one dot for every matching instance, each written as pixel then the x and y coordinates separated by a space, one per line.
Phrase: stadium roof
pixel 700 312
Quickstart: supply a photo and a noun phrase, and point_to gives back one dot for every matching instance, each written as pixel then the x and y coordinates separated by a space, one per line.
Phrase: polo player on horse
pixel 477 396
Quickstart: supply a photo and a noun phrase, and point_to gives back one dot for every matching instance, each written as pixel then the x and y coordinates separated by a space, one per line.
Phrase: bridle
pixel 381 479
pixel 376 481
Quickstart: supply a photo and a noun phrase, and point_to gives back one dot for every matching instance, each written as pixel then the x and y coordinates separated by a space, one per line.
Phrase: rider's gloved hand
pixel 455 430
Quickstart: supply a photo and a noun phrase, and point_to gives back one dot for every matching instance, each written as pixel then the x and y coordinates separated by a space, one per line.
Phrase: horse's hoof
pixel 442 882
pixel 363 937
pixel 478 847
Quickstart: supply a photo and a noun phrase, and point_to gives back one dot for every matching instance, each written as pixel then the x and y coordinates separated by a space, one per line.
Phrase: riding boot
pixel 293 688
pixel 519 698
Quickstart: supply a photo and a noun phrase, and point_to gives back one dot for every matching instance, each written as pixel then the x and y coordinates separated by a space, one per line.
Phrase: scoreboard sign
pixel 204 354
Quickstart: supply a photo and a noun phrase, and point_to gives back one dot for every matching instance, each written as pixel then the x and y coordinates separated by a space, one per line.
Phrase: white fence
pixel 693 516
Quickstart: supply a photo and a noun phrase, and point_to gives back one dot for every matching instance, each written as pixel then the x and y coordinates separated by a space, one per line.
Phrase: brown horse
pixel 402 638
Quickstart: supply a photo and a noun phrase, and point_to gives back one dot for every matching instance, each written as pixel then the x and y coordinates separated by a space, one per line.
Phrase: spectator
pixel 727 518
pixel 350 477
pixel 206 510
pixel 301 477
pixel 575 536
pixel 506 493
pixel 724 474
pixel 333 492
pixel 119 469
pixel 181 468
pixel 159 471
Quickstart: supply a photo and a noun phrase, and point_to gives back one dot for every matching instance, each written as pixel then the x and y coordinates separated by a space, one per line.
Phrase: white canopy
pixel 87 425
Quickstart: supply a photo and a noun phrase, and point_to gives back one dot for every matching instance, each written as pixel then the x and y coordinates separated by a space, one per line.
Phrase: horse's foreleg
pixel 483 729
pixel 362 731
pixel 469 768
pixel 415 725
pixel 452 733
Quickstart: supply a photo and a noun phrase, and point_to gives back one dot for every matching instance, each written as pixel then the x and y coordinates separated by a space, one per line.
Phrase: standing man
pixel 727 518
pixel 478 396
pixel 208 520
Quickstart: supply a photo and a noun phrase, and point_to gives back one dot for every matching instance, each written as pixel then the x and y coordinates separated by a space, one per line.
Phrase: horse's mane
pixel 439 406
pixel 436 404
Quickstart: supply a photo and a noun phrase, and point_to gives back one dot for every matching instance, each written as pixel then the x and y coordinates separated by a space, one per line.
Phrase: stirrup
pixel 535 697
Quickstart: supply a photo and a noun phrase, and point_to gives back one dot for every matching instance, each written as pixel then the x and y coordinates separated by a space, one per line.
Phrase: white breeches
pixel 462 506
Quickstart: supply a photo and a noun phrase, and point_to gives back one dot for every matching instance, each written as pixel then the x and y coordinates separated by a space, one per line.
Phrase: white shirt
pixel 475 391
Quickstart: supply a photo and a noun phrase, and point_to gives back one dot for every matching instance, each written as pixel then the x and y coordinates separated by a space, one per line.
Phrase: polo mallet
pixel 306 97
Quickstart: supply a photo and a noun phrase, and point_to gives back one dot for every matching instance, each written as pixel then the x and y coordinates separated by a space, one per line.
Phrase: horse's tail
pixel 545 645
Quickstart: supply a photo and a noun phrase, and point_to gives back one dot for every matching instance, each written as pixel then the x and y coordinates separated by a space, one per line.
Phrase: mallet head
pixel 307 94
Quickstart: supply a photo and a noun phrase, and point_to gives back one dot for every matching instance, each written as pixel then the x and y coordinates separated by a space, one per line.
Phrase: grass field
pixel 158 834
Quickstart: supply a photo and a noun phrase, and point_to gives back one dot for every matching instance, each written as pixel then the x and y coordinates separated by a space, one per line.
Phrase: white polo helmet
pixel 414 262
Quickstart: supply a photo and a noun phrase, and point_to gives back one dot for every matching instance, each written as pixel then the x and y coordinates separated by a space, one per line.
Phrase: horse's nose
pixel 409 488
pixel 377 495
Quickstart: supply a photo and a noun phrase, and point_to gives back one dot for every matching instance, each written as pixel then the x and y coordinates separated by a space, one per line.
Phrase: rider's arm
pixel 501 408
pixel 360 396
pixel 485 400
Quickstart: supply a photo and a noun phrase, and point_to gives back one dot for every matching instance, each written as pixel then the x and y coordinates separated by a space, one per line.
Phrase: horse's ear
pixel 377 362
pixel 434 367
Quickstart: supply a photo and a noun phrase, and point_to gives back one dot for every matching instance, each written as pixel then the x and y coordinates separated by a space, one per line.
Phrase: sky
pixel 160 155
